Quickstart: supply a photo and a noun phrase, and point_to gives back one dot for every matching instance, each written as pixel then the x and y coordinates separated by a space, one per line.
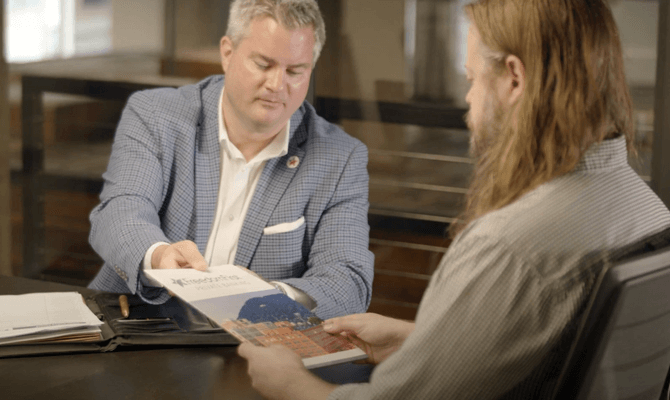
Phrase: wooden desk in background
pixel 175 373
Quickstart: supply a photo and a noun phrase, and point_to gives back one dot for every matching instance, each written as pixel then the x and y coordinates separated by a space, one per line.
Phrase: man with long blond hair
pixel 550 116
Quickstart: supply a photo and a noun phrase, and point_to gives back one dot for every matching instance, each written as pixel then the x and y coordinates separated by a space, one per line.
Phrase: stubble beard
pixel 483 133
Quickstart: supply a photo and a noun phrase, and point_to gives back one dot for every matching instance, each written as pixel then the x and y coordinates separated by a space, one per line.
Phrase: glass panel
pixel 53 29
pixel 411 52
pixel 451 144
pixel 638 27
pixel 415 172
pixel 78 132
pixel 33 29
pixel 407 52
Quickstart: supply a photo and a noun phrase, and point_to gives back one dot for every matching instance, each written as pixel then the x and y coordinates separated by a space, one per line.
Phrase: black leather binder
pixel 171 324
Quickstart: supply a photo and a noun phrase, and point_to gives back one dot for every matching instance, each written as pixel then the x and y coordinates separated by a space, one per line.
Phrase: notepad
pixel 36 317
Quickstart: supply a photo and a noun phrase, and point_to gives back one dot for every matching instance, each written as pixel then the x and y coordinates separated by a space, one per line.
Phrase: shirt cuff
pixel 146 264
pixel 296 294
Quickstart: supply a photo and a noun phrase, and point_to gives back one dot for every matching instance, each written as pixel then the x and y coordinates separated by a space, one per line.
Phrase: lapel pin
pixel 293 162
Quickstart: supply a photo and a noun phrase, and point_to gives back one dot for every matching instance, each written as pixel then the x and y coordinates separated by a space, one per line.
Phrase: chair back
pixel 622 344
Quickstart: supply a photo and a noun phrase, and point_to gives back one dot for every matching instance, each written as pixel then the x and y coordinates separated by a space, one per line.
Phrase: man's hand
pixel 184 254
pixel 377 335
pixel 278 373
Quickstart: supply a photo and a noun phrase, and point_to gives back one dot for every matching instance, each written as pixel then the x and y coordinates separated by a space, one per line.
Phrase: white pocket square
pixel 285 227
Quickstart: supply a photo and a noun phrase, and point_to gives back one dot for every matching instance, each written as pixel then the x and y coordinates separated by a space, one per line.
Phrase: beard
pixel 484 131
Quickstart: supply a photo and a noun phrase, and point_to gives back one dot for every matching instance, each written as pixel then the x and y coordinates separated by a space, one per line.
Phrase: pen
pixel 123 303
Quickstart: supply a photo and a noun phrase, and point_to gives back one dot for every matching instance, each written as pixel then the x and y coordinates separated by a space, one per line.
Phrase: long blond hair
pixel 575 94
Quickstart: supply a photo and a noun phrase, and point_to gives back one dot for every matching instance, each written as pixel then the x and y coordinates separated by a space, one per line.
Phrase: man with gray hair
pixel 239 169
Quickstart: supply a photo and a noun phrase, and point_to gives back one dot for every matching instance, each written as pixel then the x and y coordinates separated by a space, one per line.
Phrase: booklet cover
pixel 253 310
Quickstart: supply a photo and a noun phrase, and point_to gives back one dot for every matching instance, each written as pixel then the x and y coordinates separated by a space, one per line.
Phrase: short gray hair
pixel 292 14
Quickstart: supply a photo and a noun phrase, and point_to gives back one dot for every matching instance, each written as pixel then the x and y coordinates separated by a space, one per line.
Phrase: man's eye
pixel 293 73
pixel 262 66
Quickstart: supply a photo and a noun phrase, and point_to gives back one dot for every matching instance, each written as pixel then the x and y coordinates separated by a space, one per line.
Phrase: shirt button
pixel 231 217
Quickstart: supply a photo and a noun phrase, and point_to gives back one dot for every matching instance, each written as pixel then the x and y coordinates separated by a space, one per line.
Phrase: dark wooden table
pixel 173 373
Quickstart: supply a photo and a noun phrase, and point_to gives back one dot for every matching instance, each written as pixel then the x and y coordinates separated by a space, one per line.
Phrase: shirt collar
pixel 277 148
pixel 608 154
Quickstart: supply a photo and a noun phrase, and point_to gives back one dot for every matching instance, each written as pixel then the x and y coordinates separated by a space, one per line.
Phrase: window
pixel 44 29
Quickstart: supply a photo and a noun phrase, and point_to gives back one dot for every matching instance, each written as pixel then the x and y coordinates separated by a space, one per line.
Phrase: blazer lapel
pixel 270 189
pixel 207 165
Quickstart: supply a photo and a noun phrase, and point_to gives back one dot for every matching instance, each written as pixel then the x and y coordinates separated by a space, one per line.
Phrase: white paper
pixel 38 312
pixel 43 335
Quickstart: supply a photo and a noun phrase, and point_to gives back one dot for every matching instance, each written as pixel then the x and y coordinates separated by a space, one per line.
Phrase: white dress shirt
pixel 238 183
pixel 236 188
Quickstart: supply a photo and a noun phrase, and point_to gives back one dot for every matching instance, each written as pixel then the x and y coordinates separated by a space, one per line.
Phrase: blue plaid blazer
pixel 162 182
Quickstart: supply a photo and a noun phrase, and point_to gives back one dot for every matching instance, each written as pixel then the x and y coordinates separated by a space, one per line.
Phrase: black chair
pixel 622 345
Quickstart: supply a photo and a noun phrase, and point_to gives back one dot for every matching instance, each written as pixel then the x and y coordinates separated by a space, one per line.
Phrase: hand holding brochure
pixel 253 310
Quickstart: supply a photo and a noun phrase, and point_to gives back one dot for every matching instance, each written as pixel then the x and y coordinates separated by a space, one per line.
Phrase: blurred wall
pixel 5 228
pixel 638 25
pixel 365 46
pixel 200 23
pixel 137 26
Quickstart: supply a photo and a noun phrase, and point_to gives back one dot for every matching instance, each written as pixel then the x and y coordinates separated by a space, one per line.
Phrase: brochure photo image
pixel 265 318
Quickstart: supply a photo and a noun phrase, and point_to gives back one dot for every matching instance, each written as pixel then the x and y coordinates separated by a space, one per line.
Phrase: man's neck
pixel 249 142
pixel 249 148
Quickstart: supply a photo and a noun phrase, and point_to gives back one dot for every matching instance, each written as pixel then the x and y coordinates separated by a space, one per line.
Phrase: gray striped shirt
pixel 492 317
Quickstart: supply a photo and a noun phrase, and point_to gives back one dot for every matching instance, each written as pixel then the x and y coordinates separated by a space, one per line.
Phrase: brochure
pixel 253 310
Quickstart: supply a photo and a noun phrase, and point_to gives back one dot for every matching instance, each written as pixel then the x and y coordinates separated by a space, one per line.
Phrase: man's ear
pixel 514 79
pixel 226 49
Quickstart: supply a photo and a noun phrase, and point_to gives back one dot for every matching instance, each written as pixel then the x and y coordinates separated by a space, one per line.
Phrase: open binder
pixel 173 323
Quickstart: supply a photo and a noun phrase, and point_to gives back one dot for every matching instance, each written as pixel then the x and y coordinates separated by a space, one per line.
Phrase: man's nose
pixel 275 81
